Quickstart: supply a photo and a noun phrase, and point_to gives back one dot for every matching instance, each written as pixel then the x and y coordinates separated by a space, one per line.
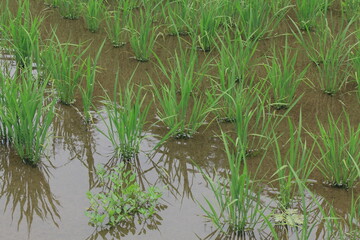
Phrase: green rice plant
pixel 330 52
pixel 282 76
pixel 6 89
pixel 126 118
pixel 237 206
pixel 208 24
pixel 52 3
pixel 87 92
pixel 354 217
pixel 93 11
pixel 22 34
pixel 116 22
pixel 351 8
pixel 121 198
pixel 142 35
pixel 179 16
pixel 256 17
pixel 29 114
pixel 234 65
pixel 63 62
pixel 308 11
pixel 298 157
pixel 355 56
pixel 181 108
pixel 69 9
pixel 339 145
pixel 5 15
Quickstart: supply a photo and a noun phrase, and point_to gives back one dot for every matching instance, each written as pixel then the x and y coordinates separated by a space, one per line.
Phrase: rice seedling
pixel 93 11
pixel 330 52
pixel 179 16
pixel 351 8
pixel 256 17
pixel 282 76
pixel 69 9
pixel 5 90
pixel 52 3
pixel 354 217
pixel 22 35
pixel 237 205
pixel 208 24
pixel 116 22
pixel 297 157
pixel 63 62
pixel 26 115
pixel 126 118
pixel 339 145
pixel 87 92
pixel 142 35
pixel 307 12
pixel 5 15
pixel 355 56
pixel 181 109
pixel 233 65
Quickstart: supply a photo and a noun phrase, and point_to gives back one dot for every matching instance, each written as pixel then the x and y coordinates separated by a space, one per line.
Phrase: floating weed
pixel 127 113
pixel 26 116
pixel 94 11
pixel 63 62
pixel 339 145
pixel 69 9
pixel 330 53
pixel 142 35
pixel 282 76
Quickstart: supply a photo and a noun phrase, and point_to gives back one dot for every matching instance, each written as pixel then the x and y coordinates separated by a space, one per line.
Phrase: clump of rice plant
pixel 22 35
pixel 354 217
pixel 208 24
pixel 28 115
pixel 233 65
pixel 87 92
pixel 142 35
pixel 69 9
pixel 351 8
pixel 52 3
pixel 339 145
pixel 330 52
pixel 179 16
pixel 116 22
pixel 127 113
pixel 282 77
pixel 121 198
pixel 94 11
pixel 236 206
pixel 64 63
pixel 308 11
pixel 181 108
pixel 298 156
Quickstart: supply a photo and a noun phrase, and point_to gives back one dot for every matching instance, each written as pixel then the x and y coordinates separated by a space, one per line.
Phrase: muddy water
pixel 49 202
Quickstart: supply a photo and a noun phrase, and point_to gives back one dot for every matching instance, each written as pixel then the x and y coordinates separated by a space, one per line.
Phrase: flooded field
pixel 48 199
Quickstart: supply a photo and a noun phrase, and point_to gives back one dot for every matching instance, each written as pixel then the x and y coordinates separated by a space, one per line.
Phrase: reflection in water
pixel 26 192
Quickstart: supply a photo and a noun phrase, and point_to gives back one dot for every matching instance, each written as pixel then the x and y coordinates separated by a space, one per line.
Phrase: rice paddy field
pixel 179 119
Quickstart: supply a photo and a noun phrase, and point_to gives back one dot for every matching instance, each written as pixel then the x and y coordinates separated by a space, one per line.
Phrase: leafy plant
pixel 142 35
pixel 339 145
pixel 94 11
pixel 116 22
pixel 27 115
pixel 121 198
pixel 126 118
pixel 69 9
pixel 283 78
pixel 237 204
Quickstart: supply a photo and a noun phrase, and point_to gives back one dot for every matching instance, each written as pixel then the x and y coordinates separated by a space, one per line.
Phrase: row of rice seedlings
pixel 117 22
pixel 179 16
pixel 237 206
pixel 64 64
pixel 351 8
pixel 142 35
pixel 69 9
pixel 330 53
pixel 93 11
pixel 127 113
pixel 181 108
pixel 234 65
pixel 298 157
pixel 90 76
pixel 339 144
pixel 282 77
pixel 22 34
pixel 27 114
